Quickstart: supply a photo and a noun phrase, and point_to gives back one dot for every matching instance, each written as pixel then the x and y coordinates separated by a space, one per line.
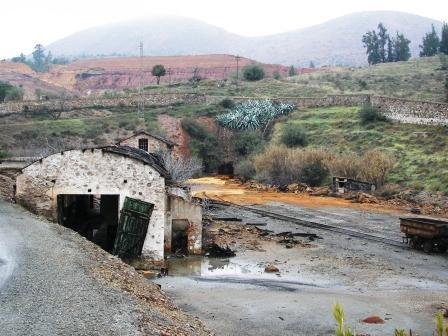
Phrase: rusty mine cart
pixel 427 234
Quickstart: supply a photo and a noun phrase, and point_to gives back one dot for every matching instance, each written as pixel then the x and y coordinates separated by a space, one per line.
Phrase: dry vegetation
pixel 281 165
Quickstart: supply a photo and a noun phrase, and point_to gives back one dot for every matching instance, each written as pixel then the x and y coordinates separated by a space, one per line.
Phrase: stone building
pixel 343 184
pixel 85 189
pixel 148 142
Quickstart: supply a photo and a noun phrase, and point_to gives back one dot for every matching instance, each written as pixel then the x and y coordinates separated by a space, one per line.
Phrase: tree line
pixel 382 48
pixel 40 61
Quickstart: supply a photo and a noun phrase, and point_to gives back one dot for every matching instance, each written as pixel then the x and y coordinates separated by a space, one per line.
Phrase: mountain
pixel 334 42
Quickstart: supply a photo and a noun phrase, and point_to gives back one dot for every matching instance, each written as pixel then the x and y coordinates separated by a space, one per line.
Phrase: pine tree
pixel 444 40
pixel 430 44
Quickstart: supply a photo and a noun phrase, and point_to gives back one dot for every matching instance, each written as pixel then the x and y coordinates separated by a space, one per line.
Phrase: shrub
pixel 276 75
pixel 245 170
pixel 253 114
pixel 281 165
pixel 375 166
pixel 10 92
pixel 270 166
pixel 247 143
pixel 294 135
pixel 345 165
pixel 203 144
pixel 370 114
pixel 314 172
pixel 253 72
pixel 227 103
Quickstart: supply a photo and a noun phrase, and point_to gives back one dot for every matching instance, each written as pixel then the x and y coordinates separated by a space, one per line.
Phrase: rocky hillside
pixel 118 73
pixel 334 42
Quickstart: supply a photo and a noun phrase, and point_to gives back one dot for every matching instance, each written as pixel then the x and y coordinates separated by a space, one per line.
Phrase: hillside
pixel 421 151
pixel 118 73
pixel 334 42
pixel 19 74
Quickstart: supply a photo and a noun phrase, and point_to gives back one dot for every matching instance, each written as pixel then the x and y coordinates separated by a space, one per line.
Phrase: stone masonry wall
pixel 402 110
pixel 412 111
pixel 154 145
pixel 71 104
pixel 77 171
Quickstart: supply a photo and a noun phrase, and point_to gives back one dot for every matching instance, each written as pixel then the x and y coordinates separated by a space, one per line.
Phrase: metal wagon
pixel 427 234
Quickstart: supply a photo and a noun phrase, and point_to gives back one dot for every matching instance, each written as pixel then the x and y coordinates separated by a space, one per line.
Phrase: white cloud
pixel 27 22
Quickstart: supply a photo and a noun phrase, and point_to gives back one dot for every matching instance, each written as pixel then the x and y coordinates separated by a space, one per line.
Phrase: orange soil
pixel 223 189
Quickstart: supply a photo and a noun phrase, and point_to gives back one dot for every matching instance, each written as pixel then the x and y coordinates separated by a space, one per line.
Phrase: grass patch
pixel 421 151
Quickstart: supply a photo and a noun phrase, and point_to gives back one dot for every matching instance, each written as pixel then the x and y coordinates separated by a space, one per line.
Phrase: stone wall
pixel 154 145
pixel 95 172
pixel 402 110
pixel 412 111
pixel 181 205
pixel 71 104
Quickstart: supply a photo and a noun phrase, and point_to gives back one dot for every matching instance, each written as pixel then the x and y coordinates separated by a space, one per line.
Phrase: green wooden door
pixel 132 228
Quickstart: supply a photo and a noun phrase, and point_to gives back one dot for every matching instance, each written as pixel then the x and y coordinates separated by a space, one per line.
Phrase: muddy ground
pixel 234 296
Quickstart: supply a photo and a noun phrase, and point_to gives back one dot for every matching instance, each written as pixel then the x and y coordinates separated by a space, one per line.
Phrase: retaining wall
pixel 402 110
pixel 71 104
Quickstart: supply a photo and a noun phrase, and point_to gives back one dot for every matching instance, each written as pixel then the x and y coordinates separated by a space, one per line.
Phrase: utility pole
pixel 237 69
pixel 140 103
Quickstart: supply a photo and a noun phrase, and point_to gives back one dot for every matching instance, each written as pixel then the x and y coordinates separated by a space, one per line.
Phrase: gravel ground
pixel 54 282
pixel 402 286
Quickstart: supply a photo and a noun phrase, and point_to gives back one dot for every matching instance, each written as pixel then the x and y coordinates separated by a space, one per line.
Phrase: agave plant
pixel 253 114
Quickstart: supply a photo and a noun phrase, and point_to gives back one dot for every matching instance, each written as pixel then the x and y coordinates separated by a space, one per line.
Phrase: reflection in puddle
pixel 202 266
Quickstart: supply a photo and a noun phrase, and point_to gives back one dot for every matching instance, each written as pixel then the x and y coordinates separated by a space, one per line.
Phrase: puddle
pixel 206 267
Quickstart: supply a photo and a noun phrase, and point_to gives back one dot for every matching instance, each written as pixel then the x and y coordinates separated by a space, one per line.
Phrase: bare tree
pixel 181 168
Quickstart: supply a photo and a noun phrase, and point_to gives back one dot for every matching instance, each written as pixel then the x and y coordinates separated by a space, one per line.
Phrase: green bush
pixel 253 72
pixel 247 143
pixel 203 144
pixel 245 170
pixel 314 172
pixel 227 103
pixel 276 75
pixel 10 92
pixel 294 135
pixel 370 114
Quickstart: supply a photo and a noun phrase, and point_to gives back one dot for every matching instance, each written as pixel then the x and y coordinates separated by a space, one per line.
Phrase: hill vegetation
pixel 420 152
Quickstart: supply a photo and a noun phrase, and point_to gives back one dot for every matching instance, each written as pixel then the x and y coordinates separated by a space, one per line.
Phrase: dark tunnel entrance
pixel 92 216
pixel 226 169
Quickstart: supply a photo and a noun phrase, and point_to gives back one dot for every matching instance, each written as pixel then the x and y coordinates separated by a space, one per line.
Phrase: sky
pixel 28 22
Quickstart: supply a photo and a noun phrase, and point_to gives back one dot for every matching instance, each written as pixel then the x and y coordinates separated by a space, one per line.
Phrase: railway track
pixel 316 225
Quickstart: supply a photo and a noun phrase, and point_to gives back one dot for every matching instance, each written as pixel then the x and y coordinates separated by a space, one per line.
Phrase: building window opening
pixel 143 144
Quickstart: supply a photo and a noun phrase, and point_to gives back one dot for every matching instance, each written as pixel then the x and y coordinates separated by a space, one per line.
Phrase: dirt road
pixel 236 296
pixel 54 282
